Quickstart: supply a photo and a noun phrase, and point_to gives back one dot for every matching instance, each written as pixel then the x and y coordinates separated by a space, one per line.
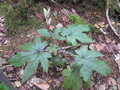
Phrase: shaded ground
pixel 105 42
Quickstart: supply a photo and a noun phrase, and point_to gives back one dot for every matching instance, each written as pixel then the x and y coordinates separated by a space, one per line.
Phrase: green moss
pixel 38 7
pixel 77 20
pixel 19 18
pixel 4 6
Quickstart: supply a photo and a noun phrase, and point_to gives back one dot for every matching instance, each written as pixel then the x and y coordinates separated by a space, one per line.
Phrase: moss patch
pixel 19 17
pixel 77 20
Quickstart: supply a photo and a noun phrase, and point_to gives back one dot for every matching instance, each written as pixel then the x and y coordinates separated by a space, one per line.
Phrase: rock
pixel 111 82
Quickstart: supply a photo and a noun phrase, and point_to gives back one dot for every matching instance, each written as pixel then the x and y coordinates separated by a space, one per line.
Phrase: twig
pixel 118 2
pixel 109 22
pixel 66 52
pixel 67 47
pixel 6 66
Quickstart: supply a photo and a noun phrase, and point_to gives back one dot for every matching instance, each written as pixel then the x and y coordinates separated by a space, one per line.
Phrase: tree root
pixel 109 22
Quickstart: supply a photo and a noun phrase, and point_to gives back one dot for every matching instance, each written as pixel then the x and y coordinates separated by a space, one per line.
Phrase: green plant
pixel 79 70
pixel 85 62
pixel 3 87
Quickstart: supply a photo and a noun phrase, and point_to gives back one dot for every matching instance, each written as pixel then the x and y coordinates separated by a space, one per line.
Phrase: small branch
pixel 118 2
pixel 5 66
pixel 109 22
pixel 66 52
pixel 67 47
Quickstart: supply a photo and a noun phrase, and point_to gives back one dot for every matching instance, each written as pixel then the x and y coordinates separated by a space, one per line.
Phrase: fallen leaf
pixel 92 89
pixel 51 27
pixel 65 19
pixel 44 86
pixel 65 12
pixel 101 87
pixel 40 83
pixel 118 87
pixel 74 12
pixel 10 75
pixel 59 25
pixel 111 81
pixel 100 47
pixel 55 13
pixel 118 80
pixel 108 40
pixel 117 59
pixel 92 46
pixel 102 24
pixel 17 83
pixel 97 26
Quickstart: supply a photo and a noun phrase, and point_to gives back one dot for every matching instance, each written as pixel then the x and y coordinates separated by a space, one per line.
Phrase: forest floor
pixel 105 41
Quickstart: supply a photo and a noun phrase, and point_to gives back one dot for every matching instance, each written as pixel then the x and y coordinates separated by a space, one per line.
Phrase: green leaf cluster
pixel 71 34
pixel 34 54
pixel 85 62
pixel 79 70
